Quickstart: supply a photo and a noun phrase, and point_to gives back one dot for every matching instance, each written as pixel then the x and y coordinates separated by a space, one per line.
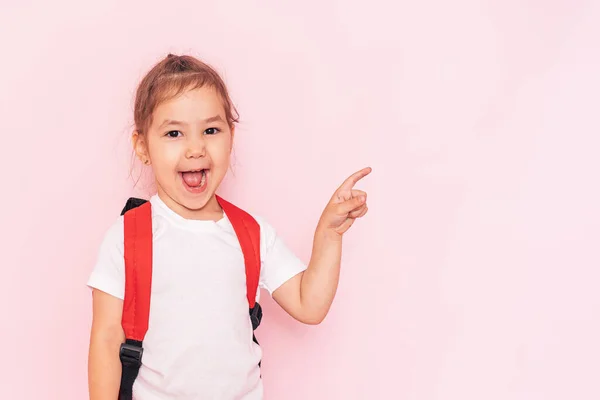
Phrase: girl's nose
pixel 196 149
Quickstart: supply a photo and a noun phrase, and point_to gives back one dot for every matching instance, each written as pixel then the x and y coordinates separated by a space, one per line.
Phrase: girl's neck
pixel 211 211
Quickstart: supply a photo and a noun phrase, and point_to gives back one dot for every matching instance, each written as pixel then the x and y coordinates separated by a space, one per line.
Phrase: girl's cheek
pixel 168 151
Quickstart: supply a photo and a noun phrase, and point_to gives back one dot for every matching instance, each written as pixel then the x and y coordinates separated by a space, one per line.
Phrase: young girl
pixel 199 341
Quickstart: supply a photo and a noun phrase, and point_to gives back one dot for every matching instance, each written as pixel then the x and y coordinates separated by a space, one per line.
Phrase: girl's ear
pixel 140 147
pixel 232 136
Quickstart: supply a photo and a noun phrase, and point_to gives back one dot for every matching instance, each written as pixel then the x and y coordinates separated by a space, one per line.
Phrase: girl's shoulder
pixel 108 273
pixel 114 235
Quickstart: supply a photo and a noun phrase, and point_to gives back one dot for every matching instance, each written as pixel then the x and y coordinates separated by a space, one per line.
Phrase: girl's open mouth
pixel 195 181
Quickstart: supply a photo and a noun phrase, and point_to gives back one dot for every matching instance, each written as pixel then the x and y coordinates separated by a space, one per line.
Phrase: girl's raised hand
pixel 345 205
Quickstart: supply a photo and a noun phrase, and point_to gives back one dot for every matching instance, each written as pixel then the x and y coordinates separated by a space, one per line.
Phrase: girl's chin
pixel 193 206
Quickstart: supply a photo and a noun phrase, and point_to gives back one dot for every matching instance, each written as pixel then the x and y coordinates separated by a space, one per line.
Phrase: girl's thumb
pixel 352 204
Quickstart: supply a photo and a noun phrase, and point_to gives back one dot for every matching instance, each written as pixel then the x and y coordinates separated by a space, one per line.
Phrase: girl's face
pixel 188 145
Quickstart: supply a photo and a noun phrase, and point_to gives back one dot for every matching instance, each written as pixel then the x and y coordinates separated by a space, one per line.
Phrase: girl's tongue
pixel 193 179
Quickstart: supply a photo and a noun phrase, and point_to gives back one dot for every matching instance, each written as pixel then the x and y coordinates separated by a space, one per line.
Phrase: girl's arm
pixel 104 365
pixel 308 296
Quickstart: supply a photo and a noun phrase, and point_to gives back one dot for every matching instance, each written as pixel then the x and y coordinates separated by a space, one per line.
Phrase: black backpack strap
pixel 256 317
pixel 131 361
pixel 132 203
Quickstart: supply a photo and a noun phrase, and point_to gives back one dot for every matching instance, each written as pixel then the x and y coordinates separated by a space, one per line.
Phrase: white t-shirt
pixel 199 341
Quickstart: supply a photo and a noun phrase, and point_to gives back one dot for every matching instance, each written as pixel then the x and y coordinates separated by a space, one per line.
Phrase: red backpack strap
pixel 138 271
pixel 248 232
pixel 138 283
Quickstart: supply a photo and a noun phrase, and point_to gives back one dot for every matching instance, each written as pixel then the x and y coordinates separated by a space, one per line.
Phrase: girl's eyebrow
pixel 166 122
pixel 216 118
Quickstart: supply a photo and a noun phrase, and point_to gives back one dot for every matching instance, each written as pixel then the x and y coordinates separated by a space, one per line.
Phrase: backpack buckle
pixel 131 353
pixel 256 315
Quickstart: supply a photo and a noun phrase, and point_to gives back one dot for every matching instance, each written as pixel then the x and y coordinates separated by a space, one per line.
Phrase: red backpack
pixel 138 279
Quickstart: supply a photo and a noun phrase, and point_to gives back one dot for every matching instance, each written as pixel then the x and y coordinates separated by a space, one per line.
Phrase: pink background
pixel 474 275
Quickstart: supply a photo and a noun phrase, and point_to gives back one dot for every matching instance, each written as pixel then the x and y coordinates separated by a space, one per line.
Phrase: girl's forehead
pixel 201 103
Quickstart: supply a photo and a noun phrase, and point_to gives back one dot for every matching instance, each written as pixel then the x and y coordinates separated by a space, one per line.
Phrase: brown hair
pixel 169 78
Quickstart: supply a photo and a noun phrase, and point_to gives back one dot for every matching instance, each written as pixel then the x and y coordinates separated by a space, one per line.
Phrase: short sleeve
pixel 108 274
pixel 278 262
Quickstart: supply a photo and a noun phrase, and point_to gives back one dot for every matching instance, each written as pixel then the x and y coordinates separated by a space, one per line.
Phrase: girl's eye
pixel 211 131
pixel 173 134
